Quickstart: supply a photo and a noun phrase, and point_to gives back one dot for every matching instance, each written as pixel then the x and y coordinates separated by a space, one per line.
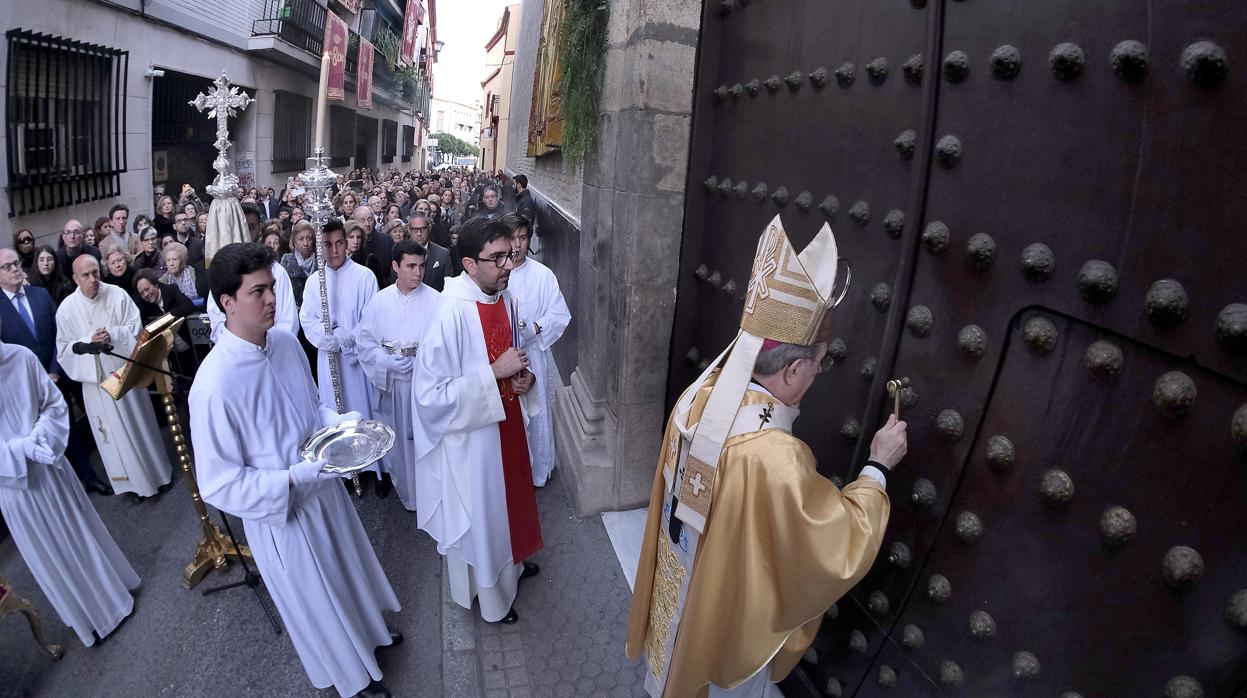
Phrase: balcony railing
pixel 300 23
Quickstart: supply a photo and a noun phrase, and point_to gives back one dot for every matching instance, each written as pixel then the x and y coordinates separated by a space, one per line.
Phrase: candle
pixel 322 100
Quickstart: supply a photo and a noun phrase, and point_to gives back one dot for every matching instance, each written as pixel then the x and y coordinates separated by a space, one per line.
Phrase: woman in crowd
pixel 24 244
pixel 117 270
pixel 191 210
pixel 456 259
pixel 72 244
pixel 393 212
pixel 47 275
pixel 154 299
pixel 348 204
pixel 397 230
pixel 149 256
pixel 101 230
pixel 183 275
pixel 201 225
pixel 296 215
pixel 440 231
pixel 452 211
pixel 274 239
pixel 357 248
pixel 163 221
pixel 300 262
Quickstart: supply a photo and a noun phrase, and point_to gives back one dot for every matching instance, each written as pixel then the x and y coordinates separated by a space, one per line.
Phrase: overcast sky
pixel 465 26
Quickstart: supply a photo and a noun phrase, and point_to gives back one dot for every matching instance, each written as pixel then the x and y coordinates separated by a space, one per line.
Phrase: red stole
pixel 517 469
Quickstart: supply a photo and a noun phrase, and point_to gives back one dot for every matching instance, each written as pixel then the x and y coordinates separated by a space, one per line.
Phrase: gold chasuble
pixel 747 545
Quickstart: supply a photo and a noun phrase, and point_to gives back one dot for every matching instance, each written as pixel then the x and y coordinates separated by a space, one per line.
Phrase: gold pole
pixel 214 549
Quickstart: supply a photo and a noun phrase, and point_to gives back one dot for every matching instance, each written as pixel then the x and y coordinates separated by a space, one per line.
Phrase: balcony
pixel 291 33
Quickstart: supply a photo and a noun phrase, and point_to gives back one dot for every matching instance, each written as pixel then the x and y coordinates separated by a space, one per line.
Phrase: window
pixel 389 140
pixel 341 136
pixel 292 131
pixel 65 121
pixel 441 122
pixel 409 139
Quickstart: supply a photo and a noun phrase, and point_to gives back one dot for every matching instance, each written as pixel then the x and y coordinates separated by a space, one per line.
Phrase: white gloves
pixel 403 365
pixel 309 471
pixel 37 452
pixel 344 338
pixel 347 416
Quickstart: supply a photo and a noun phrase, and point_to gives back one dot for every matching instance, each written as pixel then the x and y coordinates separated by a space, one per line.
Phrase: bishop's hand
pixel 890 443
pixel 511 362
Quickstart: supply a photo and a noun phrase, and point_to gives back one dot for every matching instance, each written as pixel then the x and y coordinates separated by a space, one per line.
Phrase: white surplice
pixel 403 320
pixel 460 496
pixel 60 536
pixel 539 302
pixel 125 430
pixel 351 286
pixel 250 409
pixel 287 312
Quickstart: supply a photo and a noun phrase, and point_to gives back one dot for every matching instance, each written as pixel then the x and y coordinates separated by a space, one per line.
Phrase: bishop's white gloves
pixel 403 365
pixel 37 452
pixel 309 471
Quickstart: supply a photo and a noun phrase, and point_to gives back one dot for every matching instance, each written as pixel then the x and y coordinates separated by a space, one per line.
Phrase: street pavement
pixel 569 640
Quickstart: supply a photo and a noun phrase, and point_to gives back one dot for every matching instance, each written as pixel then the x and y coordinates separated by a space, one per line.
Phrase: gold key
pixel 894 391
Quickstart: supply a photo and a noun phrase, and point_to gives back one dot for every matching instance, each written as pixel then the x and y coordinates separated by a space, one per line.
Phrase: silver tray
pixel 349 446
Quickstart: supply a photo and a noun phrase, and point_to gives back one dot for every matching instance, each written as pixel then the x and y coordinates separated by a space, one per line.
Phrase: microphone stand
pixel 172 374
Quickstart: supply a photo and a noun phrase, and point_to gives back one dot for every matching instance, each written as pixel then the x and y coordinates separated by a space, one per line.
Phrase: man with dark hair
pixel 524 204
pixel 394 323
pixel 470 392
pixel 350 286
pixel 254 219
pixel 437 264
pixel 118 215
pixel 252 404
pixel 543 317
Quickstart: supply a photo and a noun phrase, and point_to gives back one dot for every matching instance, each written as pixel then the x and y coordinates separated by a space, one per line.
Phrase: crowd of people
pixel 409 259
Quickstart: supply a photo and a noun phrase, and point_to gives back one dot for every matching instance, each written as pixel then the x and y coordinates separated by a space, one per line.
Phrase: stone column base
pixel 592 476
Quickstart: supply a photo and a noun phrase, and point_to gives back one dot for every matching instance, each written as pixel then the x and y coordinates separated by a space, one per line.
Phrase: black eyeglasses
pixel 9 266
pixel 500 261
pixel 25 241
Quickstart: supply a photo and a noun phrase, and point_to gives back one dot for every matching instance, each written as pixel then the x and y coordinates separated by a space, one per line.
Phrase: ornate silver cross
pixel 222 100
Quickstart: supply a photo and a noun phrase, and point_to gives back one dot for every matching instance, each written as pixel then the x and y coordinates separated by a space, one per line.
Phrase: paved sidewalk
pixel 569 640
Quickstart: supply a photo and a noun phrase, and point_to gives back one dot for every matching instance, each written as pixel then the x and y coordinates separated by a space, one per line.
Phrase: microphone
pixel 92 348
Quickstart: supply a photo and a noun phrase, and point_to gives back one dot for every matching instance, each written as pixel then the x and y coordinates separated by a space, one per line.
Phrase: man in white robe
pixel 351 286
pixel 287 312
pixel 543 317
pixel 60 536
pixel 474 488
pixel 394 324
pixel 253 402
pixel 126 433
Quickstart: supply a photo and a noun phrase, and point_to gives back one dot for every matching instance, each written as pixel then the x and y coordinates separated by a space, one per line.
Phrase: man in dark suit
pixel 437 262
pixel 267 204
pixel 28 318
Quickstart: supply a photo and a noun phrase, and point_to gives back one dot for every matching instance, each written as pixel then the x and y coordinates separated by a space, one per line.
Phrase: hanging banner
pixel 351 6
pixel 335 45
pixel 363 75
pixel 411 19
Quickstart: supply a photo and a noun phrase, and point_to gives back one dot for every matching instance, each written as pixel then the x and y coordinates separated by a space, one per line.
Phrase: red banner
pixel 351 6
pixel 363 76
pixel 411 20
pixel 336 35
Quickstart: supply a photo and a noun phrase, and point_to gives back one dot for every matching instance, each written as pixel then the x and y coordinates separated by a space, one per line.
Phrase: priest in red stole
pixel 474 485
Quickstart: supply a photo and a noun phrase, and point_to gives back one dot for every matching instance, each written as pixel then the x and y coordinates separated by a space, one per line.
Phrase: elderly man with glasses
pixel 437 262
pixel 73 243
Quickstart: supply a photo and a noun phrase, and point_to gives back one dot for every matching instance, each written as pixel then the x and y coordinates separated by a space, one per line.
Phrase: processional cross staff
pixel 223 101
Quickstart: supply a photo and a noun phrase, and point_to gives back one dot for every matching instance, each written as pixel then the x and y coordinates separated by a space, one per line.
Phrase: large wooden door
pixel 1043 207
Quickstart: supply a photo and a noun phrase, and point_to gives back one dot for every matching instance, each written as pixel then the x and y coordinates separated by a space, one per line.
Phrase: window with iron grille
pixel 409 142
pixel 292 131
pixel 389 140
pixel 65 121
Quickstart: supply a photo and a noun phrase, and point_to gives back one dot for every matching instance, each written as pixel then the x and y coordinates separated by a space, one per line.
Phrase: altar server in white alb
pixel 252 404
pixel 394 324
pixel 70 553
pixel 474 488
pixel 351 286
pixel 287 311
pixel 543 318
pixel 125 430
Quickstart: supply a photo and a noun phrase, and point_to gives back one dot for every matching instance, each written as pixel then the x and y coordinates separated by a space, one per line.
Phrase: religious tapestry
pixel 336 35
pixel 411 20
pixel 363 85
pixel 545 123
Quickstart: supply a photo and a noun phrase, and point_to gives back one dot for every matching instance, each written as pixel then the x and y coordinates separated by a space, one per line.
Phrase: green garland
pixel 584 67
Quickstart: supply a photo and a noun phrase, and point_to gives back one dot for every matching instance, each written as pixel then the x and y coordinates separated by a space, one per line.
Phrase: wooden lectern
pixel 152 350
